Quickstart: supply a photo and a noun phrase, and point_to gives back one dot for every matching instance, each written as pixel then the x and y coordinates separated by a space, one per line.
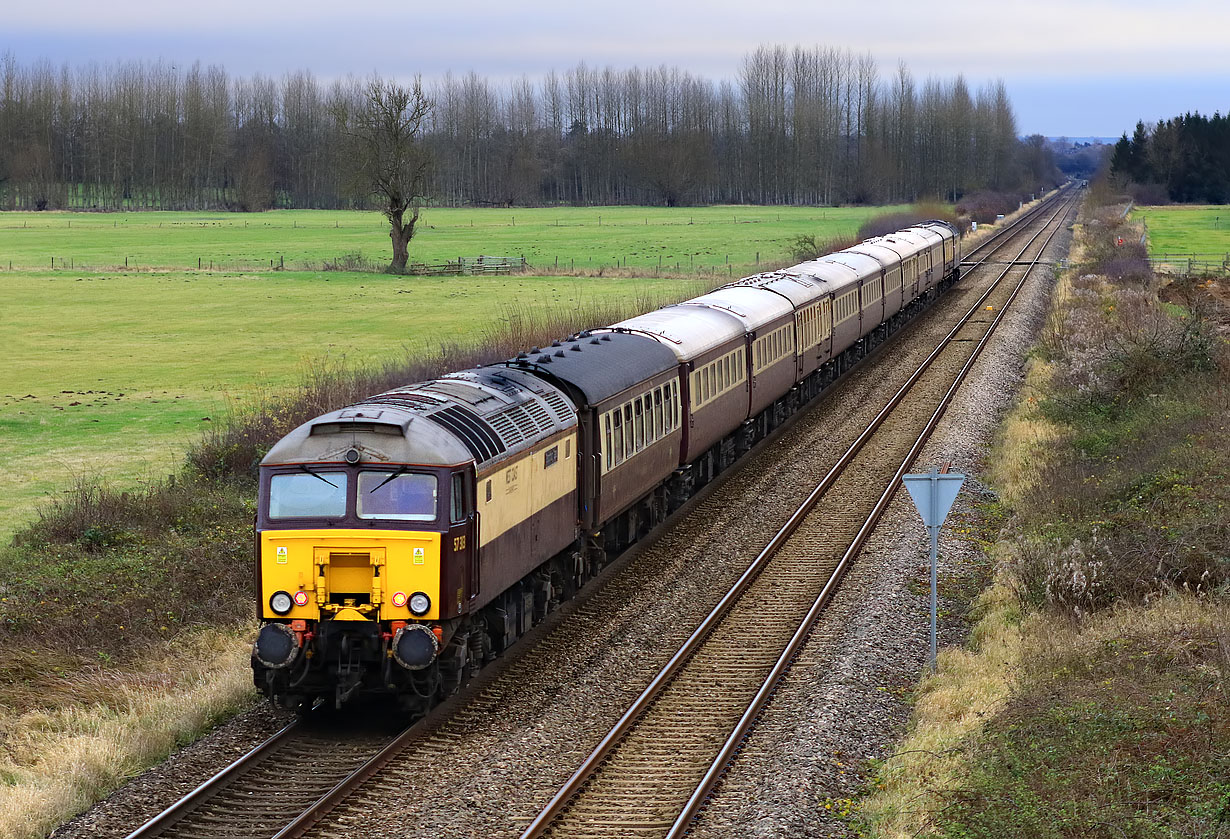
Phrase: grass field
pixel 591 237
pixel 1182 229
pixel 111 373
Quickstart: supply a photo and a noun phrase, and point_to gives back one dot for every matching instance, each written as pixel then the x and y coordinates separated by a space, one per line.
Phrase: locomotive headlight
pixel 301 598
pixel 399 599
pixel 420 604
pixel 280 602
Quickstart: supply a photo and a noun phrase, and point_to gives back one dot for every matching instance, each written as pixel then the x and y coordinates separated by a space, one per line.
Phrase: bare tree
pixel 386 130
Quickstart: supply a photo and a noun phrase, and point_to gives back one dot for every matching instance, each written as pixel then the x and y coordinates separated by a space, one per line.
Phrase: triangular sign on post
pixel 933 494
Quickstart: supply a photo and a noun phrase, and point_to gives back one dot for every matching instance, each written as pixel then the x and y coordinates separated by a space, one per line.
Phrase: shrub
pixel 887 223
pixel 806 247
pixel 983 207
pixel 1150 194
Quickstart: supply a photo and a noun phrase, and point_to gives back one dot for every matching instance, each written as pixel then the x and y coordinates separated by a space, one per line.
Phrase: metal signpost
pixel 933 494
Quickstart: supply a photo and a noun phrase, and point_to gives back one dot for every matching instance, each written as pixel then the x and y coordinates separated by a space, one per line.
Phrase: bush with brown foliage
pixel 983 207
pixel 1128 500
pixel 886 223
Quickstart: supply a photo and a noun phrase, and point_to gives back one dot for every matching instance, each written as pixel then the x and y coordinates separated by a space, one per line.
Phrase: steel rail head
pixel 319 808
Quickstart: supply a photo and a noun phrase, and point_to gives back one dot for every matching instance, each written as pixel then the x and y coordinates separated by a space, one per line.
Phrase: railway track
pixel 651 773
pixel 267 788
pixel 337 764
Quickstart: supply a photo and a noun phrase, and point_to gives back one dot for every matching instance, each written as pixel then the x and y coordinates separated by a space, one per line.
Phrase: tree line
pixel 796 126
pixel 1184 159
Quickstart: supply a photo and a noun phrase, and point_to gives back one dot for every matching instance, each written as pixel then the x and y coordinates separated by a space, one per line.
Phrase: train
pixel 405 541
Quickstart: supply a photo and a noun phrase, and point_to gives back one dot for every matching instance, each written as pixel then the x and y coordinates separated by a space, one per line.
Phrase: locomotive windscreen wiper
pixel 403 470
pixel 317 476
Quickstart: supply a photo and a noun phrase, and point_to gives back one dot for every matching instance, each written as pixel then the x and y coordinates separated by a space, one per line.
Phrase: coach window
pixel 617 451
pixel 638 423
pixel 658 423
pixel 629 438
pixel 606 433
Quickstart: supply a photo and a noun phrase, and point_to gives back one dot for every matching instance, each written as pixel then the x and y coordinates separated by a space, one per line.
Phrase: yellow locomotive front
pixel 363 561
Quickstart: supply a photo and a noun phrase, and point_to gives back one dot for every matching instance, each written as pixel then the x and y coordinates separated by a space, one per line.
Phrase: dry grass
pixel 1014 660
pixel 971 685
pixel 1023 439
pixel 55 763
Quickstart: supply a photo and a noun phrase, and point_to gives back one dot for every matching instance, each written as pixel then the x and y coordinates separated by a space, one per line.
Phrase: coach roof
pixel 598 365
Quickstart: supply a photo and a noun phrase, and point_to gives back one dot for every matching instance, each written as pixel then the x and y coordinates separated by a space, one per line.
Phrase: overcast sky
pixel 1073 67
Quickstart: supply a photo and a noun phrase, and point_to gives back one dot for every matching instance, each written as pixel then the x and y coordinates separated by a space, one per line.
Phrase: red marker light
pixel 399 599
pixel 301 598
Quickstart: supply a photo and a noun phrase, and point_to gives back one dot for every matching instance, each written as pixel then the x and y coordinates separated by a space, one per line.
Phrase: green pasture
pixel 1187 229
pixel 567 238
pixel 110 372
pixel 113 374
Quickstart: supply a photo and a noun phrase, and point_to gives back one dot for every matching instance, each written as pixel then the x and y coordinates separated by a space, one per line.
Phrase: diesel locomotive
pixel 404 541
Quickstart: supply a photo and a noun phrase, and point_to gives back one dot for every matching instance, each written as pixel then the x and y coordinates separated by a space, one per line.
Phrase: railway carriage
pixel 889 260
pixel 768 324
pixel 842 279
pixel 711 350
pixel 629 402
pixel 813 315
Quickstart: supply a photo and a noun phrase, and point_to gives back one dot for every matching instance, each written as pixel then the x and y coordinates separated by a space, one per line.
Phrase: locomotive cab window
pixel 395 496
pixel 460 505
pixel 307 495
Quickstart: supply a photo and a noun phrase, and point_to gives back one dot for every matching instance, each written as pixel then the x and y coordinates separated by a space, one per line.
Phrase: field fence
pixel 462 266
pixel 1191 264
pixel 691 264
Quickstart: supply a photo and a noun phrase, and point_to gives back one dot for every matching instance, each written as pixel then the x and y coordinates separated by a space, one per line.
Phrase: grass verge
pixel 58 761
pixel 1091 698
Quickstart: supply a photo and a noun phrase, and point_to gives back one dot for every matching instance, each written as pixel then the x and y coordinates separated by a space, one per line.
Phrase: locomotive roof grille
pixel 559 407
pixel 507 429
pixel 402 399
pixel 477 436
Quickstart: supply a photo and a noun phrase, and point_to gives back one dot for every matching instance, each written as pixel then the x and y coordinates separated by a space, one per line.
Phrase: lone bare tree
pixel 386 127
